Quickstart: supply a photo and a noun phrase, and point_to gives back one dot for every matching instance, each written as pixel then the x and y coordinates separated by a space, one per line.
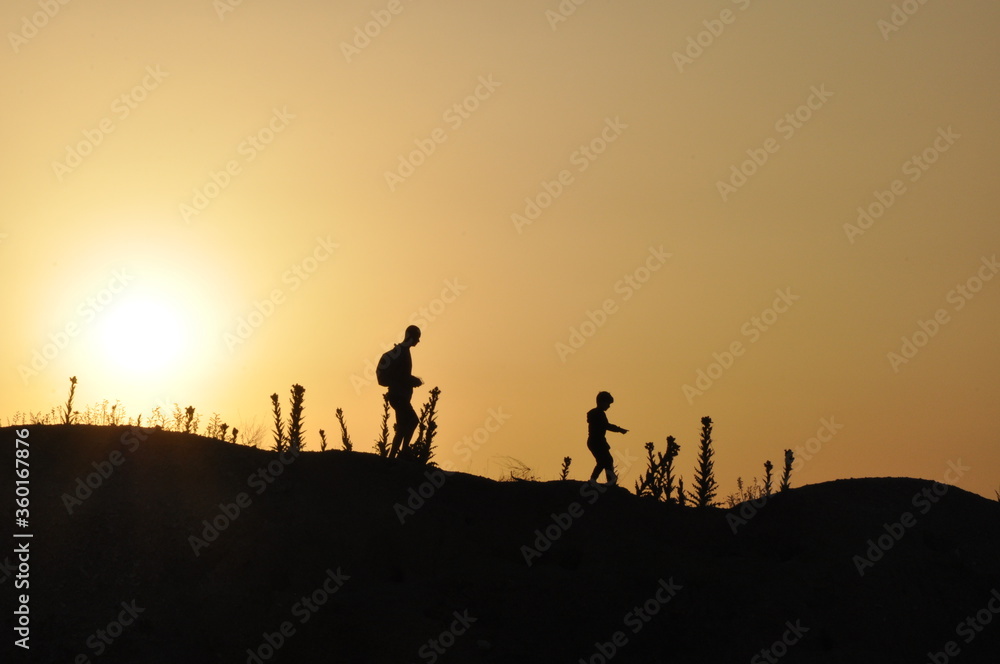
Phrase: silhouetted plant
pixel 649 485
pixel 157 419
pixel 744 493
pixel 345 438
pixel 322 440
pixel 295 419
pixel 673 449
pixel 564 472
pixel 382 442
pixel 517 470
pixel 253 432
pixel 658 482
pixel 185 420
pixel 768 477
pixel 705 486
pixel 214 427
pixel 113 415
pixel 68 413
pixel 422 449
pixel 101 414
pixel 236 432
pixel 997 492
pixel 279 425
pixel 681 496
pixel 190 421
pixel 223 430
pixel 56 415
pixel 786 474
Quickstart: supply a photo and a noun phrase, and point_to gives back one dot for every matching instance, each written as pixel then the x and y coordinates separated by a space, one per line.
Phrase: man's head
pixel 412 335
pixel 604 399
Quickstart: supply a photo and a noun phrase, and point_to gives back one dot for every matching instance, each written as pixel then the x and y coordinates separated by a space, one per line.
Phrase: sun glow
pixel 143 335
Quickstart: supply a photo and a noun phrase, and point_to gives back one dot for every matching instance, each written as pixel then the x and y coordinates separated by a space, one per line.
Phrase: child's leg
pixel 597 457
pixel 606 463
pixel 612 478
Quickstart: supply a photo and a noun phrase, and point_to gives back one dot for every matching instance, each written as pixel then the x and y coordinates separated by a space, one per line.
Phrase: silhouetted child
pixel 597 442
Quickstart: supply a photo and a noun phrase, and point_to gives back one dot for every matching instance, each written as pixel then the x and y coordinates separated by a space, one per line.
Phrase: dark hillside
pixel 318 546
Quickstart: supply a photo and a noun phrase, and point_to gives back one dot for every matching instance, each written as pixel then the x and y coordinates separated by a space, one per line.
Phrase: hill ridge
pixel 219 544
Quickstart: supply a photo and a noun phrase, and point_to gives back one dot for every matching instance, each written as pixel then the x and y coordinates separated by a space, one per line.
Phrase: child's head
pixel 604 399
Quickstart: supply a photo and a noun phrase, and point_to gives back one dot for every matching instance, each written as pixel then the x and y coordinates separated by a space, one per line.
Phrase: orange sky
pixel 207 202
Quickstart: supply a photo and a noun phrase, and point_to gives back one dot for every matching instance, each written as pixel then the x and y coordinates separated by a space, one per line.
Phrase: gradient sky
pixel 170 168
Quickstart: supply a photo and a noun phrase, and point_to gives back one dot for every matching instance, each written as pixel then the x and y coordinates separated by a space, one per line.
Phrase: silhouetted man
pixel 597 442
pixel 396 372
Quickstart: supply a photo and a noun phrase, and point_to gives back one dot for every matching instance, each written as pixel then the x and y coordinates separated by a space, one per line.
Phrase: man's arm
pixel 406 370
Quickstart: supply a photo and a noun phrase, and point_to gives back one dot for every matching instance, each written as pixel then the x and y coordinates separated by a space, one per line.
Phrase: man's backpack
pixel 387 368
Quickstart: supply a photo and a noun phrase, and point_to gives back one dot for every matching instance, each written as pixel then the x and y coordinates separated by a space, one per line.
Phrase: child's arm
pixel 616 428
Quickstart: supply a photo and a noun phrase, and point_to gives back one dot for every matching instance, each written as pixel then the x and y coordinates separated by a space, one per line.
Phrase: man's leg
pixel 399 407
pixel 405 427
pixel 396 438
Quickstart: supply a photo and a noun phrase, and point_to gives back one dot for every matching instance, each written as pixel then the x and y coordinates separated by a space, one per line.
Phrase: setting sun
pixel 143 336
